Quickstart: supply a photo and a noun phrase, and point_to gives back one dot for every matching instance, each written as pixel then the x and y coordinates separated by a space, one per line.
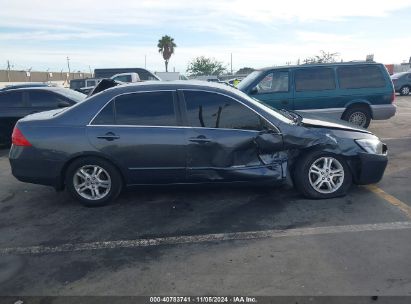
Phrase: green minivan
pixel 354 91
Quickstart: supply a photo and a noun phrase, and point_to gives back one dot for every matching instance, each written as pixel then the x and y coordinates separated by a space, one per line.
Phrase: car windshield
pixel 248 80
pixel 71 94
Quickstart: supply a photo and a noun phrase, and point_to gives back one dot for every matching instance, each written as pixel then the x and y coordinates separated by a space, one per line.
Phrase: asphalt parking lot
pixel 214 240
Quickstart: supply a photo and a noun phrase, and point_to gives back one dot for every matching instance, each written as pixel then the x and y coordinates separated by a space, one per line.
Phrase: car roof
pixel 319 65
pixel 172 85
pixel 54 89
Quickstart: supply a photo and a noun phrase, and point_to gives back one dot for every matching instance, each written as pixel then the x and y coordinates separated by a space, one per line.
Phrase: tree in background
pixel 324 57
pixel 166 47
pixel 203 66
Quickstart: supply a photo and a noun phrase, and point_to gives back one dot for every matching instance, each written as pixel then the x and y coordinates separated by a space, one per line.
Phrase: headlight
pixel 372 145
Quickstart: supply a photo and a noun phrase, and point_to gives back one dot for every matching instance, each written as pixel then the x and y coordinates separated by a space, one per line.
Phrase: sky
pixel 41 34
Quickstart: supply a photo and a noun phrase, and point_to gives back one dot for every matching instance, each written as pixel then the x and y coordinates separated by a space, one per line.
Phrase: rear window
pixel 314 79
pixel 11 100
pixel 356 77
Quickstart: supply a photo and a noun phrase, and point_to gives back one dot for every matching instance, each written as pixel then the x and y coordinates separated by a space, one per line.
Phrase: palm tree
pixel 166 47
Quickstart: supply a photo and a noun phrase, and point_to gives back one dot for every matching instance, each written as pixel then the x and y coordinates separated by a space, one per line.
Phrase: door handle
pixel 110 136
pixel 200 139
pixel 284 102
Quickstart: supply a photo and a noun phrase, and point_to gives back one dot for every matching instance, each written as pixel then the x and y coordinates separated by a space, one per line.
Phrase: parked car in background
pixel 27 85
pixel 126 77
pixel 144 74
pixel 188 132
pixel 17 103
pixel 83 85
pixel 354 91
pixel 402 82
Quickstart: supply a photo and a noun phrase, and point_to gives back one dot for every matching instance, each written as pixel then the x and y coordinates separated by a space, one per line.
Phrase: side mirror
pixel 63 104
pixel 253 91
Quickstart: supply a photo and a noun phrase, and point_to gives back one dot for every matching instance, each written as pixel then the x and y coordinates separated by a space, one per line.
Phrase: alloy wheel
pixel 92 182
pixel 326 175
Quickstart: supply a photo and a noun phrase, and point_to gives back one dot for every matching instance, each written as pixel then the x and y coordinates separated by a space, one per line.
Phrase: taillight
pixel 18 139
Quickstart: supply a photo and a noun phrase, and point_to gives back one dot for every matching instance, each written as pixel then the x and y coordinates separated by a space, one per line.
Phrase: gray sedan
pixel 188 132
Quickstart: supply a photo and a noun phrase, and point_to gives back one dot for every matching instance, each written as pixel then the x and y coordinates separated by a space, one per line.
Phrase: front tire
pixel 358 115
pixel 321 175
pixel 405 90
pixel 93 181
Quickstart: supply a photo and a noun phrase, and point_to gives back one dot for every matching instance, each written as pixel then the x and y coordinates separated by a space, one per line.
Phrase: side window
pixel 274 82
pixel 409 76
pixel 355 77
pixel 44 99
pixel 11 100
pixel 106 115
pixel 314 79
pixel 211 110
pixel 145 109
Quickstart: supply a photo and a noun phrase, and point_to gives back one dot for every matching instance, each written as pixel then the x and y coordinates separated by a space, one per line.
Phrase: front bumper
pixel 368 168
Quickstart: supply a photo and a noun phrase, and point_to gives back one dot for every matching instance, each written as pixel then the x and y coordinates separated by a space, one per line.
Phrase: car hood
pixel 331 124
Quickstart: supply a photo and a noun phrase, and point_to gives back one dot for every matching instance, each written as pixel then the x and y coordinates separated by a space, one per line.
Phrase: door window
pixel 314 79
pixel 145 109
pixel 11 100
pixel 44 99
pixel 211 110
pixel 274 82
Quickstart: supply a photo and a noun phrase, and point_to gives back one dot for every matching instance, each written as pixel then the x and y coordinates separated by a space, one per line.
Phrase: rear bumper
pixel 384 111
pixel 28 168
pixel 369 168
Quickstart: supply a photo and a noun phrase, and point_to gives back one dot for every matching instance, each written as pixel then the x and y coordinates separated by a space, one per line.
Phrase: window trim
pixel 175 105
pixel 185 120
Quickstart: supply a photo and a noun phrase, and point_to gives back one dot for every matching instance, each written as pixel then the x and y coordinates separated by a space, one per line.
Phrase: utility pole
pixel 89 67
pixel 8 70
pixel 68 65
pixel 145 61
pixel 231 63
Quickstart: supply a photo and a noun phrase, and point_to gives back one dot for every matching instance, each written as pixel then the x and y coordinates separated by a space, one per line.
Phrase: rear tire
pixel 358 115
pixel 322 175
pixel 93 181
pixel 405 90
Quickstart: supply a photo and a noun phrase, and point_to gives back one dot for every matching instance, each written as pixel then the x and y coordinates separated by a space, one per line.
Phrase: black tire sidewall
pixel 364 110
pixel 116 180
pixel 301 178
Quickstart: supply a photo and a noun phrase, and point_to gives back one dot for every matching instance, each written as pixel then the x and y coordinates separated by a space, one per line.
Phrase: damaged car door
pixel 228 141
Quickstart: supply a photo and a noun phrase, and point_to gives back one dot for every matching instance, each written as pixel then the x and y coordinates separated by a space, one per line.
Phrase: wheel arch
pixel 298 154
pixel 63 171
pixel 360 103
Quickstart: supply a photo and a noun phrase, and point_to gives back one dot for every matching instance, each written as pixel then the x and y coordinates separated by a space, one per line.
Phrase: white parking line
pixel 175 240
